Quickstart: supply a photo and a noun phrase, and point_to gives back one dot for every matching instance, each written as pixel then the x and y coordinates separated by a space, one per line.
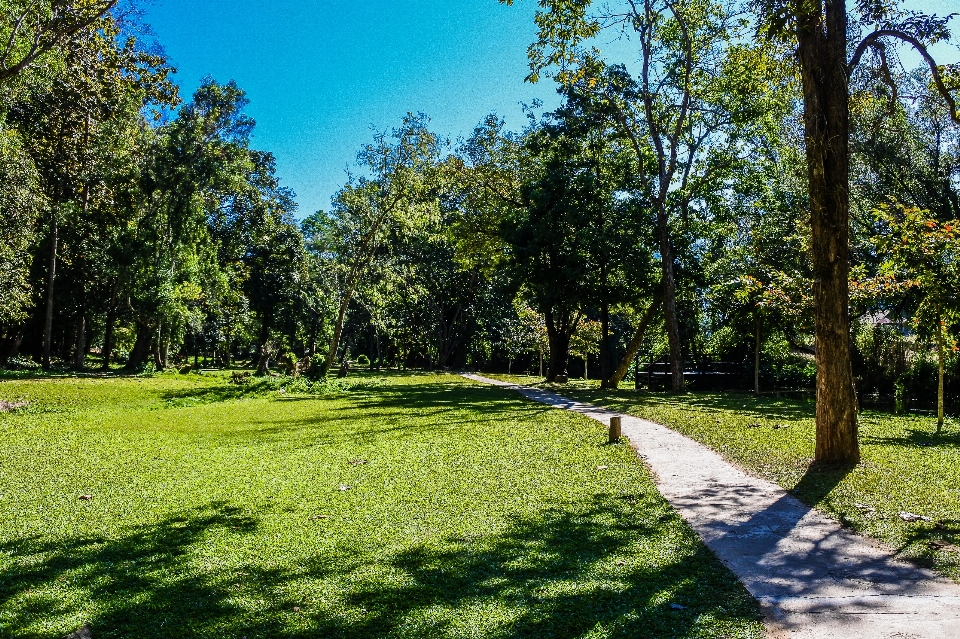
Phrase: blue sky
pixel 321 73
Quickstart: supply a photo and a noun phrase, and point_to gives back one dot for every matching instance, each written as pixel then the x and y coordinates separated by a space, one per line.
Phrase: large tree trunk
pixel 141 347
pixel 51 277
pixel 822 52
pixel 634 345
pixel 337 332
pixel 558 334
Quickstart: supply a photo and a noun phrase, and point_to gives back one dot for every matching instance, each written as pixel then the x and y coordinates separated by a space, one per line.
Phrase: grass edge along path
pixel 905 493
pixel 407 506
pixel 814 578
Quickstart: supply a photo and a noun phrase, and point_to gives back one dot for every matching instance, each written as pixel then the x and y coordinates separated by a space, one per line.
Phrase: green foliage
pixel 20 204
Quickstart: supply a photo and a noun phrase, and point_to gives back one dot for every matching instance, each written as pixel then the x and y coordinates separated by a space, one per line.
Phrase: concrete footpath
pixel 812 577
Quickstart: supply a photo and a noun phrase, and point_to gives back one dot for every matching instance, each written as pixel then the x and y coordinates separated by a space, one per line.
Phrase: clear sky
pixel 320 73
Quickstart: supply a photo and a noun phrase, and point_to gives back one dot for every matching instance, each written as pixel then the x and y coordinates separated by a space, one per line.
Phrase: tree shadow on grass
pixel 742 405
pixel 138 585
pixel 558 577
pixel 819 480
pixel 917 439
pixel 925 540
pixel 554 574
pixel 363 393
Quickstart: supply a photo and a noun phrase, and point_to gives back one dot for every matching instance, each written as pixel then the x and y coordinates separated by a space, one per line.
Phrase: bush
pixel 20 363
pixel 284 384
pixel 363 360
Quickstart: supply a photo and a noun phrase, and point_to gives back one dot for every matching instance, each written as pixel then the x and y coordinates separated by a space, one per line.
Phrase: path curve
pixel 812 577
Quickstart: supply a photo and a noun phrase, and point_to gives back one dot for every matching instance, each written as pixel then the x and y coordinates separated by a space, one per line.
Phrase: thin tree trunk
pixel 165 351
pixel 80 353
pixel 51 277
pixel 586 369
pixel 541 363
pixel 940 371
pixel 337 332
pixel 604 343
pixel 263 365
pixel 108 336
pixel 756 358
pixel 634 346
pixel 822 52
pixel 636 371
pixel 158 362
pixel 670 305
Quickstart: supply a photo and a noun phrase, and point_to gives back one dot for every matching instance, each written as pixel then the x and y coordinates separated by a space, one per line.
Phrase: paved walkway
pixel 811 577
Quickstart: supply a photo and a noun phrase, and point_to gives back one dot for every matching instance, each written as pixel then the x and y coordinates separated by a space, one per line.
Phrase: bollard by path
pixel 614 430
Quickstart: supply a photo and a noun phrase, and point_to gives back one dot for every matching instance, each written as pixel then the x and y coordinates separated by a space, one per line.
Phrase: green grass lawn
pixel 404 506
pixel 905 467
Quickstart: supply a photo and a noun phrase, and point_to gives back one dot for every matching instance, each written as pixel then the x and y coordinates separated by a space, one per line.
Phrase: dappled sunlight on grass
pixel 414 506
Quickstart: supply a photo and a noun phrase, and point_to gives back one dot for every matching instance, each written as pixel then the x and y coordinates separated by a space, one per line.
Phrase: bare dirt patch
pixel 6 407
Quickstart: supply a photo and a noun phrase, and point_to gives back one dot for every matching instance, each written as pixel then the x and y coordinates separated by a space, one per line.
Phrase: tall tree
pixel 683 107
pixel 821 31
pixel 370 208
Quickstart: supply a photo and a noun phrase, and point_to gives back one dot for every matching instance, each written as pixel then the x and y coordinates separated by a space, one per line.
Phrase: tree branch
pixel 873 40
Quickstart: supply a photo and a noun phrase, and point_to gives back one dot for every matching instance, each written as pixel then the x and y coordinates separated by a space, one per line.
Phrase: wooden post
pixel 614 430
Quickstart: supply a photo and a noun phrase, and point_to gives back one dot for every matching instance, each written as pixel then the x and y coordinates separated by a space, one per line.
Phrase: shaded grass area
pixel 905 468
pixel 403 506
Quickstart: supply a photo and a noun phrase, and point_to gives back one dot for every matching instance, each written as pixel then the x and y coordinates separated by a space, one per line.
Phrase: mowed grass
pixel 906 467
pixel 409 506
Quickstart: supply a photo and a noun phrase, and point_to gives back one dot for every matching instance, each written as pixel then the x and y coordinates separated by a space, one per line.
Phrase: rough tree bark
pixel 822 52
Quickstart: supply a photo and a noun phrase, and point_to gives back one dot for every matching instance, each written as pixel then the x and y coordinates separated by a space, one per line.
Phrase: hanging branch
pixel 873 41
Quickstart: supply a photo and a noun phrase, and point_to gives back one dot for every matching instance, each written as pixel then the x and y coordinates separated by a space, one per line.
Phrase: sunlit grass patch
pixel 399 506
